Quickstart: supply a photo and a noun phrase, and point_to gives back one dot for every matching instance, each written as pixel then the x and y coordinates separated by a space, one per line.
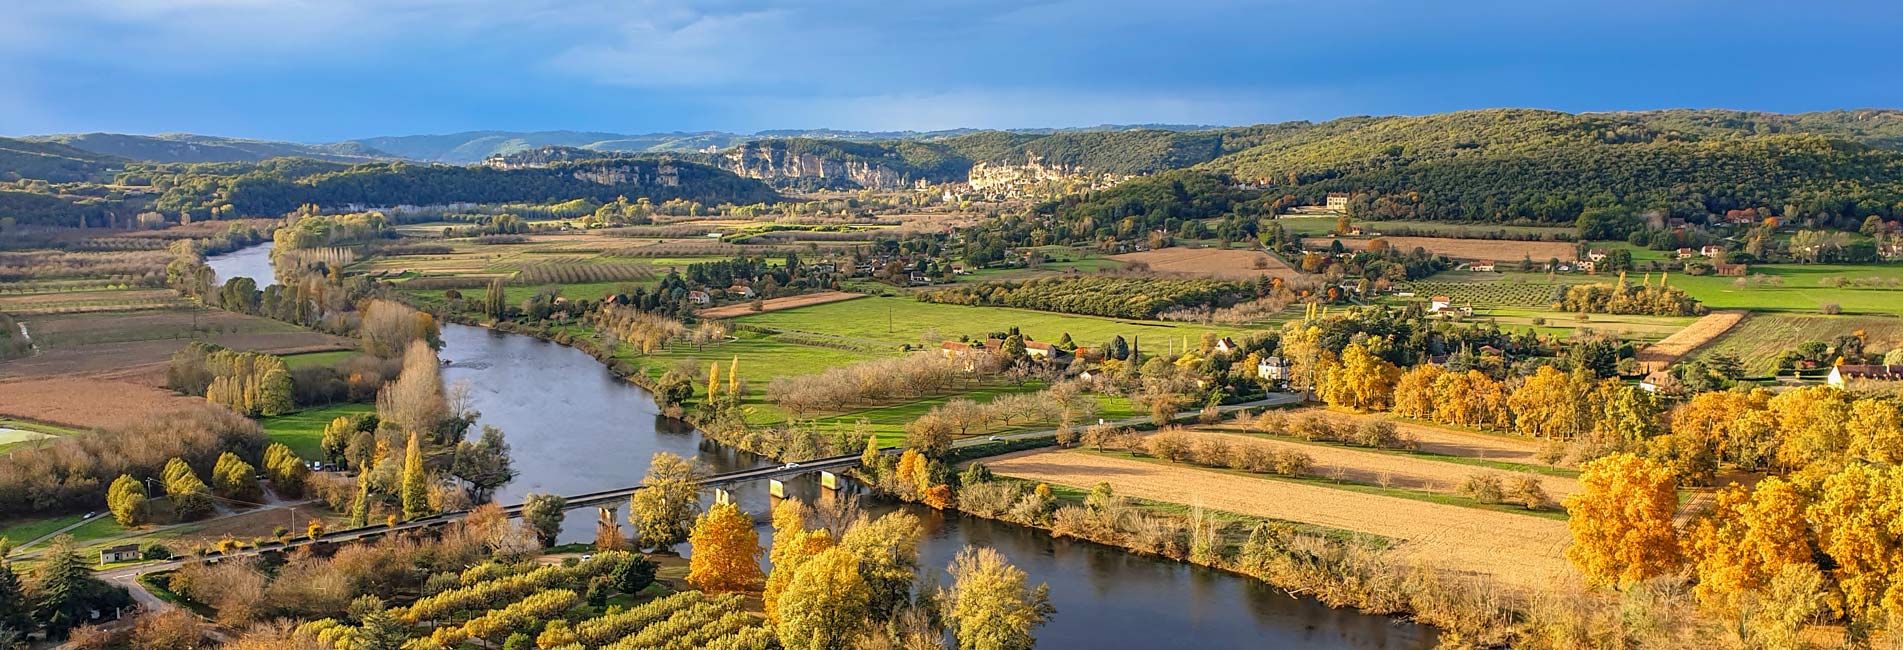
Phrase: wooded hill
pixel 51 161
pixel 188 148
pixel 1546 167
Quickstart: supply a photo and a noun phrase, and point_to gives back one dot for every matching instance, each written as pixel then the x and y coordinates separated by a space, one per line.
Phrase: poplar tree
pixel 126 500
pixel 415 481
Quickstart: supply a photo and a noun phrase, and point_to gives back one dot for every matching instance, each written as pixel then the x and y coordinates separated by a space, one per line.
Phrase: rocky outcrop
pixel 780 166
pixel 662 173
pixel 1007 179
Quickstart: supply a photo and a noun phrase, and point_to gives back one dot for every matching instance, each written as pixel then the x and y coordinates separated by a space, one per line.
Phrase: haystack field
pixel 1518 550
pixel 1704 330
pixel 776 304
pixel 1229 264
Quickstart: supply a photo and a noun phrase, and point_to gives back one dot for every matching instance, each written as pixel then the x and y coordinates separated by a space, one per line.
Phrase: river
pixel 251 261
pixel 574 427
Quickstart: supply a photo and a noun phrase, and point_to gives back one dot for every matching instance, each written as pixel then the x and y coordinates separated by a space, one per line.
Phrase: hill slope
pixel 188 148
pixel 1548 167
pixel 50 161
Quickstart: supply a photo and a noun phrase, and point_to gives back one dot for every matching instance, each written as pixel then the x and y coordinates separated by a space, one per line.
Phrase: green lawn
pixel 903 320
pixel 21 531
pixel 303 431
pixel 888 422
pixel 314 359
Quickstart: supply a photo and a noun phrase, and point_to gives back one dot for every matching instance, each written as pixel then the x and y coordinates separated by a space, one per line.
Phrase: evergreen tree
pixel 415 481
pixel 14 608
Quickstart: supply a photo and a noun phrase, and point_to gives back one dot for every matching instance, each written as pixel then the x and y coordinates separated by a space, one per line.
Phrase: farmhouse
pixel 1482 265
pixel 699 297
pixel 953 349
pixel 120 553
pixel 1686 253
pixel 1040 350
pixel 742 290
pixel 1597 255
pixel 1227 345
pixel 1659 381
pixel 1731 270
pixel 1438 304
pixel 1338 201
pixel 1843 376
pixel 1711 251
pixel 1272 369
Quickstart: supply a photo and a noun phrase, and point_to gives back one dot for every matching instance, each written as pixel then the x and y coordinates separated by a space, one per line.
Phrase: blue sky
pixel 319 70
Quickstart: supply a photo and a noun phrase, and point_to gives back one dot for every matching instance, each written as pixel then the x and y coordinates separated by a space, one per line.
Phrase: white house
pixel 699 297
pixel 1227 345
pixel 1842 376
pixel 1438 304
pixel 1272 369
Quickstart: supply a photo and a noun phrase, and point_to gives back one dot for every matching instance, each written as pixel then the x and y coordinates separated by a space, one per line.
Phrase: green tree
pixel 64 590
pixel 126 500
pixel 826 603
pixel 15 609
pixel 544 513
pixel 991 606
pixel 190 497
pixel 484 464
pixel 887 549
pixel 663 510
pixel 235 479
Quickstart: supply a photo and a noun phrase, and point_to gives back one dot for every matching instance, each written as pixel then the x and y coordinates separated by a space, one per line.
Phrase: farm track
pixel 776 304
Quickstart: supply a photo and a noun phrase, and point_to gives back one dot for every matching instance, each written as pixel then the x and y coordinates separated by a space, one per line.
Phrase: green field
pixel 303 431
pixel 897 321
pixel 21 531
pixel 1761 337
pixel 314 359
pixel 1801 290
pixel 888 422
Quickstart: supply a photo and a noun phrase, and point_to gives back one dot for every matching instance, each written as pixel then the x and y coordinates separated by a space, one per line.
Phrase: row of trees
pixel 251 383
pixel 1115 296
pixel 1623 298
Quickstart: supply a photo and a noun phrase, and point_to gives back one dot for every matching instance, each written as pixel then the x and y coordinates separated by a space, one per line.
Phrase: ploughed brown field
pixel 776 304
pixel 1518 550
pixel 1497 250
pixel 1231 264
pixel 100 370
pixel 1704 330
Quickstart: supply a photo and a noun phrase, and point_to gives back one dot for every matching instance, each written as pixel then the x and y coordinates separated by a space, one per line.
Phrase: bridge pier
pixel 776 488
pixel 722 496
pixel 828 480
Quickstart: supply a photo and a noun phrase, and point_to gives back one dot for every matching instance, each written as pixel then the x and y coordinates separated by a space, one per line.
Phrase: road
pixel 127 576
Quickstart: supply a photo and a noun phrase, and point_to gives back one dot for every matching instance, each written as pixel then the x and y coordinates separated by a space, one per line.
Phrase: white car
pixel 790 466
pixel 994 438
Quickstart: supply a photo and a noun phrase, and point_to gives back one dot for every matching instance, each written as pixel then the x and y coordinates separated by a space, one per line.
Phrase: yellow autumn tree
pixel 826 603
pixel 1621 521
pixel 713 381
pixel 1813 423
pixel 793 544
pixel 1550 404
pixel 726 551
pixel 1747 539
pixel 1875 428
pixel 1362 381
pixel 1414 392
pixel 1855 517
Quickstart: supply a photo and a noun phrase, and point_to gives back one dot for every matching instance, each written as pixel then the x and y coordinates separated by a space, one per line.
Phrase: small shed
pixel 120 553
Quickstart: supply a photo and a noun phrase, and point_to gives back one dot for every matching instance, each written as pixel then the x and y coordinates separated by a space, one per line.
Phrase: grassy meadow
pixel 303 430
pixel 898 320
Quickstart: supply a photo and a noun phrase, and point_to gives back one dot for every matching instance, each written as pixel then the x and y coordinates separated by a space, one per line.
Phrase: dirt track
pixel 1519 550
pixel 1704 330
pixel 776 304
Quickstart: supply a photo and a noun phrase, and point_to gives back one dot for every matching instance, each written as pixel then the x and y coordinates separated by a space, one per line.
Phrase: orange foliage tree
pixel 1621 521
pixel 726 551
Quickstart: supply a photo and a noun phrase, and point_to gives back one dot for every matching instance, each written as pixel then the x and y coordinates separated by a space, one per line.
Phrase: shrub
pixel 1830 308
pixel 1529 491
pixel 1255 458
pixel 1271 421
pixel 1483 487
pixel 1313 427
pixel 1380 434
pixel 1289 462
pixel 1173 445
pixel 989 499
pixel 1212 450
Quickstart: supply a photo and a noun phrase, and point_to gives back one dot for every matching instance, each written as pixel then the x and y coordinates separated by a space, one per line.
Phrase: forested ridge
pixel 1545 166
pixel 189 148
pixel 50 161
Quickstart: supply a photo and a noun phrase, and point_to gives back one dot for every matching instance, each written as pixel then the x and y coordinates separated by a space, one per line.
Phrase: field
pixel 10 438
pixel 88 300
pixel 1658 355
pixel 1629 327
pixel 1230 264
pixel 1800 288
pixel 898 321
pixel 313 359
pixel 1518 550
pixel 777 304
pixel 1394 469
pixel 1485 289
pixel 86 357
pixel 1444 441
pixel 303 431
pixel 1761 337
pixel 1502 251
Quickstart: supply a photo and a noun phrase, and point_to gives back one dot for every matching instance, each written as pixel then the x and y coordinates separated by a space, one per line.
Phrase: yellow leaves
pixel 1362 381
pixel 1748 538
pixel 1549 404
pixel 726 551
pixel 1621 521
pixel 1856 516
